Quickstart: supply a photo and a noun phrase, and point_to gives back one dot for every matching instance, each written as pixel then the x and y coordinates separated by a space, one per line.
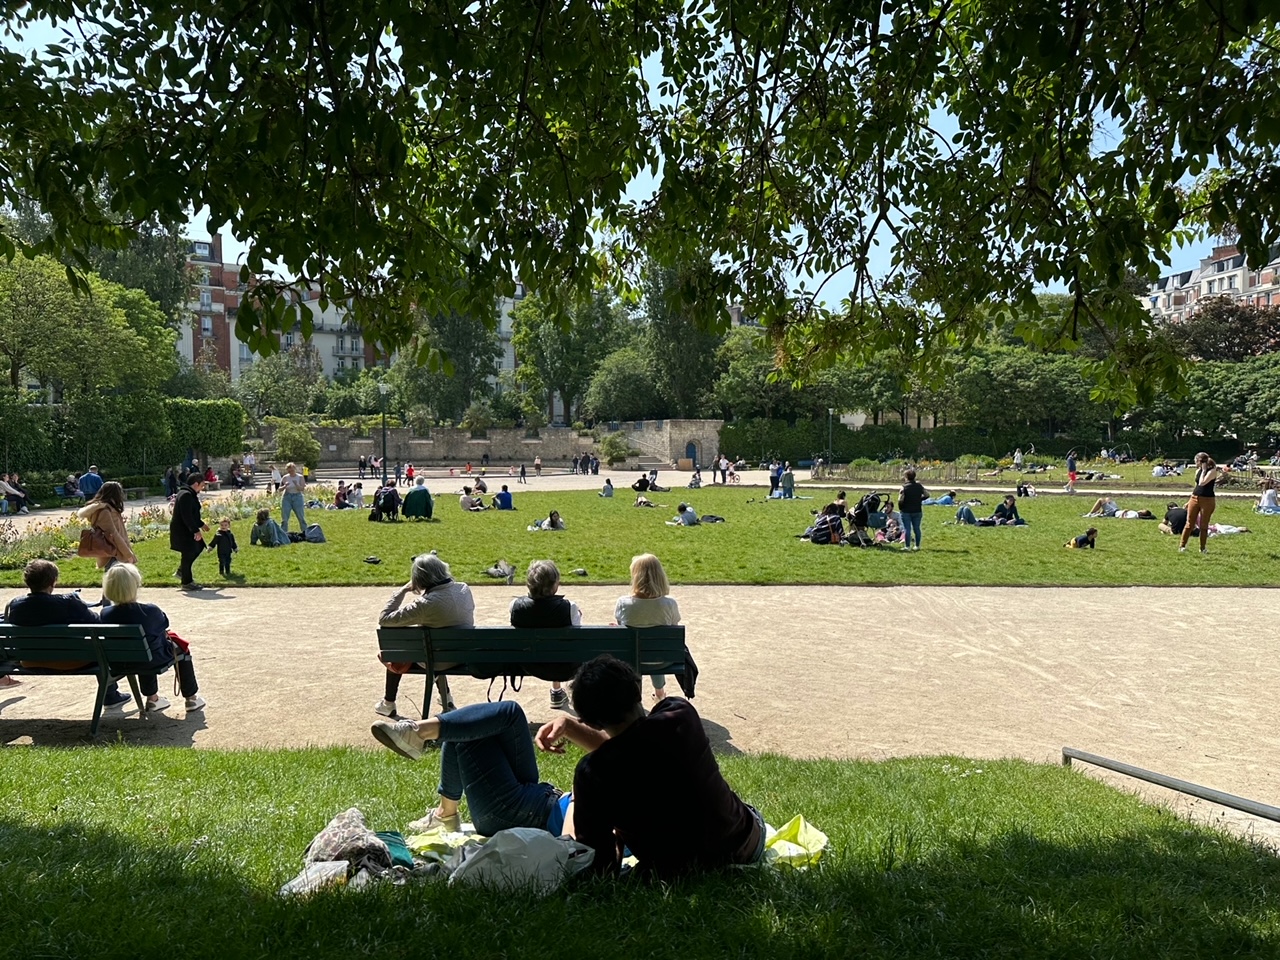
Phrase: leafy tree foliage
pixel 560 350
pixel 296 443
pixel 1223 328
pixel 447 364
pixel 283 384
pixel 681 356
pixel 213 427
pixel 354 148
pixel 622 388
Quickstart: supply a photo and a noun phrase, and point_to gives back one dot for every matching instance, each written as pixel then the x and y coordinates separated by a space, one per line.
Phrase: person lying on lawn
pixel 487 756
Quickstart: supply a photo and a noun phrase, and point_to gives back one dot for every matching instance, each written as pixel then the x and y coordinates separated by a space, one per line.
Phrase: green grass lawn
pixel 179 853
pixel 756 546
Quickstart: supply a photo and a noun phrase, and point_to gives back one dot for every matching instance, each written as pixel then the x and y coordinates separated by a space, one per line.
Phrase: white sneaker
pixel 400 736
pixel 1204 553
pixel 386 708
pixel 1182 549
pixel 916 547
pixel 433 821
pixel 159 703
pixel 194 703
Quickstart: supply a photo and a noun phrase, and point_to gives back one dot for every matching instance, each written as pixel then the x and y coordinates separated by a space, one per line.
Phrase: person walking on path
pixel 276 479
pixel 1071 472
pixel 524 478
pixel 1202 503
pixel 537 466
pixel 105 513
pixel 293 484
pixel 399 472
pixel 911 500
pixel 1017 459
pixel 187 529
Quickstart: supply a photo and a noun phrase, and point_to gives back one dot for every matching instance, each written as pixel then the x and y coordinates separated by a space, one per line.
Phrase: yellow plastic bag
pixel 797 844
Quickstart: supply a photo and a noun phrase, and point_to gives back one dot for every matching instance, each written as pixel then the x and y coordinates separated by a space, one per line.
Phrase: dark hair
pixel 833 509
pixel 1172 504
pixel 112 494
pixel 40 575
pixel 1010 496
pixel 466 491
pixel 605 691
pixel 1091 532
pixel 840 495
pixel 910 475
pixel 263 515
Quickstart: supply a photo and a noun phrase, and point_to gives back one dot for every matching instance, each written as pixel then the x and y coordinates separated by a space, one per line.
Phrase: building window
pixel 206 299
pixel 206 326
pixel 342 364
pixel 342 343
pixel 355 364
pixel 1211 283
pixel 246 355
pixel 201 249
pixel 1231 282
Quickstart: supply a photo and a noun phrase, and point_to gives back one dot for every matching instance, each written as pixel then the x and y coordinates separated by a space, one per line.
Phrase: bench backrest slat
pixel 658 646
pixel 120 643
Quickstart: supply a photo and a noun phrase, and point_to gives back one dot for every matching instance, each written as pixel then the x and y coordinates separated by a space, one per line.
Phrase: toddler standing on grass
pixel 224 541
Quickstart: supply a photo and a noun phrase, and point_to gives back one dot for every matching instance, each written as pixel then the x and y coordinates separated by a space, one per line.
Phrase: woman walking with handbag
pixel 106 540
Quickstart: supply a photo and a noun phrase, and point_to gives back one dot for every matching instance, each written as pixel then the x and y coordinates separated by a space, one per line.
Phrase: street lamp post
pixel 383 390
pixel 831 412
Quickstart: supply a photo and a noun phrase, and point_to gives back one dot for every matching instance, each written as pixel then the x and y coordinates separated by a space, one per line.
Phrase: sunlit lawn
pixel 757 545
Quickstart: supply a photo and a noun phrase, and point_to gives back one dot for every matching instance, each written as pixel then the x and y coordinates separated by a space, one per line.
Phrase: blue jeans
pixel 292 502
pixel 487 753
pixel 910 522
pixel 965 515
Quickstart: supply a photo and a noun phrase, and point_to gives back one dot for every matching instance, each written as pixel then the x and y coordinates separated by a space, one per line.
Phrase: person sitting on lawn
pixel 341 499
pixel 1268 502
pixel 607 490
pixel 468 502
pixel 1104 506
pixel 41 607
pixel 487 756
pixel 1006 513
pixel 387 500
pixel 417 502
pixel 1087 539
pixel 1175 519
pixel 266 531
pixel 120 590
pixel 552 522
pixel 502 499
pixel 543 607
pixel 441 601
pixel 685 516
pixel 828 528
pixel 641 485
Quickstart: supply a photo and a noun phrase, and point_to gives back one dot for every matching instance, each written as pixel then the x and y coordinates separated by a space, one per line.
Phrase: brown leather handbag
pixel 94 545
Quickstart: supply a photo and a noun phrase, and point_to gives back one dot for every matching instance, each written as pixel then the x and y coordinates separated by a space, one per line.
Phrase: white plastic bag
pixel 316 876
pixel 523 858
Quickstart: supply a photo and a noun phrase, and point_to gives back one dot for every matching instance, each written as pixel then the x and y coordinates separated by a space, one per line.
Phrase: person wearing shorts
pixel 1071 472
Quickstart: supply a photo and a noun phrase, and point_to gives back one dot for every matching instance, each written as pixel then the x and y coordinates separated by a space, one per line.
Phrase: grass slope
pixel 756 546
pixel 178 853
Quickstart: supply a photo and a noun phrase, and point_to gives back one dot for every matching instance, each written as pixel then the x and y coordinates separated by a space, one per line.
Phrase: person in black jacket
pixel 911 500
pixel 187 529
pixel 544 608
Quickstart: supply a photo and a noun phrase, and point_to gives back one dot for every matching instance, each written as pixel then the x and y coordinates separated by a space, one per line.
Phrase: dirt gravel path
pixel 1164 679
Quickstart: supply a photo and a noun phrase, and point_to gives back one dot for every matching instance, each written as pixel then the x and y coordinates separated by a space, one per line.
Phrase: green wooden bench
pixel 546 653
pixel 102 646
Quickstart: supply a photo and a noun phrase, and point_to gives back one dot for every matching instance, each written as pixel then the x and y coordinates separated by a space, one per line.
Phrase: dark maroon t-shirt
pixel 658 786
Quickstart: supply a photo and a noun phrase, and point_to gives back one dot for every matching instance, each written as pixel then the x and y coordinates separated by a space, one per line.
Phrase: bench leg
pixel 103 681
pixel 137 695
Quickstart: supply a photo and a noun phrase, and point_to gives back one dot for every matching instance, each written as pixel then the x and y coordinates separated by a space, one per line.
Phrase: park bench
pixel 129 492
pixel 60 491
pixel 546 653
pixel 103 648
pixel 215 485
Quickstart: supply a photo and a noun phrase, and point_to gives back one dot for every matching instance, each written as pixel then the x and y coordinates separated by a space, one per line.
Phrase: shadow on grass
pixel 1167 892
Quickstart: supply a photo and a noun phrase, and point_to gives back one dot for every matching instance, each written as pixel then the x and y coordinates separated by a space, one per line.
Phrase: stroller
pixel 867 513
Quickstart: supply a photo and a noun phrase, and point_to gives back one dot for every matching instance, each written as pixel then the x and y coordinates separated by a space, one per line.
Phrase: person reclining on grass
pixel 486 755
pixel 685 516
pixel 267 532
pixel 948 499
pixel 1104 506
pixel 1087 539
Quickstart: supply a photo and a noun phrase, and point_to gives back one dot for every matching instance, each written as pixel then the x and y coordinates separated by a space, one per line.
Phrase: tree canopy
pixel 400 154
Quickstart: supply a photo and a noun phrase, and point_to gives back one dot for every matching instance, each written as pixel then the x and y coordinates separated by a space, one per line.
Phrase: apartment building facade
pixel 1222 274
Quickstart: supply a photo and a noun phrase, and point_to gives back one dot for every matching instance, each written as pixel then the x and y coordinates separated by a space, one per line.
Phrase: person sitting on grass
pixel 544 607
pixel 1087 539
pixel 641 485
pixel 41 607
pixel 468 502
pixel 948 499
pixel 685 516
pixel 828 528
pixel 552 522
pixel 120 586
pixel 1104 506
pixel 266 531
pixel 1175 519
pixel 417 502
pixel 440 601
pixel 502 499
pixel 1268 502
pixel 607 490
pixel 1006 513
pixel 487 756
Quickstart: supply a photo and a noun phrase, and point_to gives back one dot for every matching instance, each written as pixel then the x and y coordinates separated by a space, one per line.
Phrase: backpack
pixel 314 534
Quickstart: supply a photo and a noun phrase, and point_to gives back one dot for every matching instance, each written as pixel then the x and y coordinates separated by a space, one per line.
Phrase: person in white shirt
pixel 1269 500
pixel 293 484
pixel 276 478
pixel 649 605
pixel 250 461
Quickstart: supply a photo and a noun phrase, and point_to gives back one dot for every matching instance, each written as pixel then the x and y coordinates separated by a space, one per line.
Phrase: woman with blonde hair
pixel 120 591
pixel 1202 503
pixel 649 605
pixel 105 514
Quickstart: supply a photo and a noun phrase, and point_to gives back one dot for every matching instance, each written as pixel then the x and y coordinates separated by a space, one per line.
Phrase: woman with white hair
pixel 120 590
pixel 543 607
pixel 440 601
